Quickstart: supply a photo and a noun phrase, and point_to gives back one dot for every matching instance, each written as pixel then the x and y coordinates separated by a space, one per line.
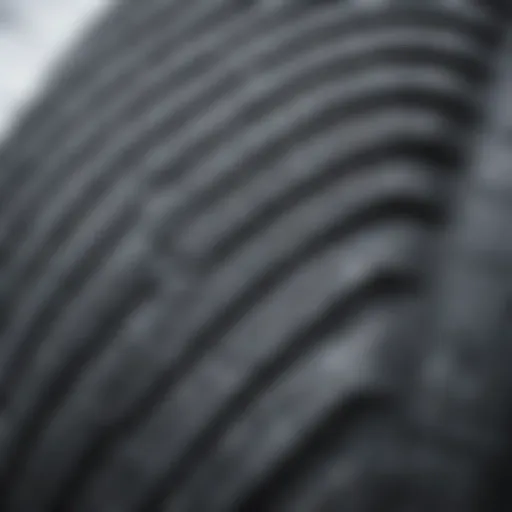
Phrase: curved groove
pixel 86 206
pixel 99 403
pixel 69 271
pixel 215 323
pixel 75 292
pixel 328 20
pixel 174 67
pixel 50 396
pixel 249 105
pixel 60 107
pixel 296 67
pixel 262 262
pixel 384 252
pixel 382 191
pixel 296 21
pixel 218 481
pixel 175 442
pixel 312 141
pixel 108 298
pixel 48 230
pixel 263 379
pixel 325 104
pixel 403 147
pixel 123 27
pixel 325 454
pixel 171 371
pixel 247 227
pixel 291 73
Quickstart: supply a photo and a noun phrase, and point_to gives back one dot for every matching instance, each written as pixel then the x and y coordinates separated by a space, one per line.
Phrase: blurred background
pixel 34 36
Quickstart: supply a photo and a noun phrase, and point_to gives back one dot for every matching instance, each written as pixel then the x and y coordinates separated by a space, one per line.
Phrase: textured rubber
pixel 239 257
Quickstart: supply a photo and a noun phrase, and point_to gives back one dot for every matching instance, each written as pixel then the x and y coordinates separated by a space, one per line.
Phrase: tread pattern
pixel 208 248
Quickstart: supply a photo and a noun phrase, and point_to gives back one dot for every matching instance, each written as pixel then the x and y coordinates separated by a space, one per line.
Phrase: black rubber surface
pixel 254 257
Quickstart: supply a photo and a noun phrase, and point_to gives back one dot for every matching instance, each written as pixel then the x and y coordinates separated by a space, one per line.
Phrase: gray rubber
pixel 230 266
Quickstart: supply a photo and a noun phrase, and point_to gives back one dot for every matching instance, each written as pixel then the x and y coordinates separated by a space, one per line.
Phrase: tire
pixel 254 257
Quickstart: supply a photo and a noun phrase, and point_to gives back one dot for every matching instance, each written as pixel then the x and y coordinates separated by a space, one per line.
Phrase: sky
pixel 34 35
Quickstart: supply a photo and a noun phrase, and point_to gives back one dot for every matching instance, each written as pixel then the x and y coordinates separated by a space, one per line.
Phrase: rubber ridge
pixel 215 230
